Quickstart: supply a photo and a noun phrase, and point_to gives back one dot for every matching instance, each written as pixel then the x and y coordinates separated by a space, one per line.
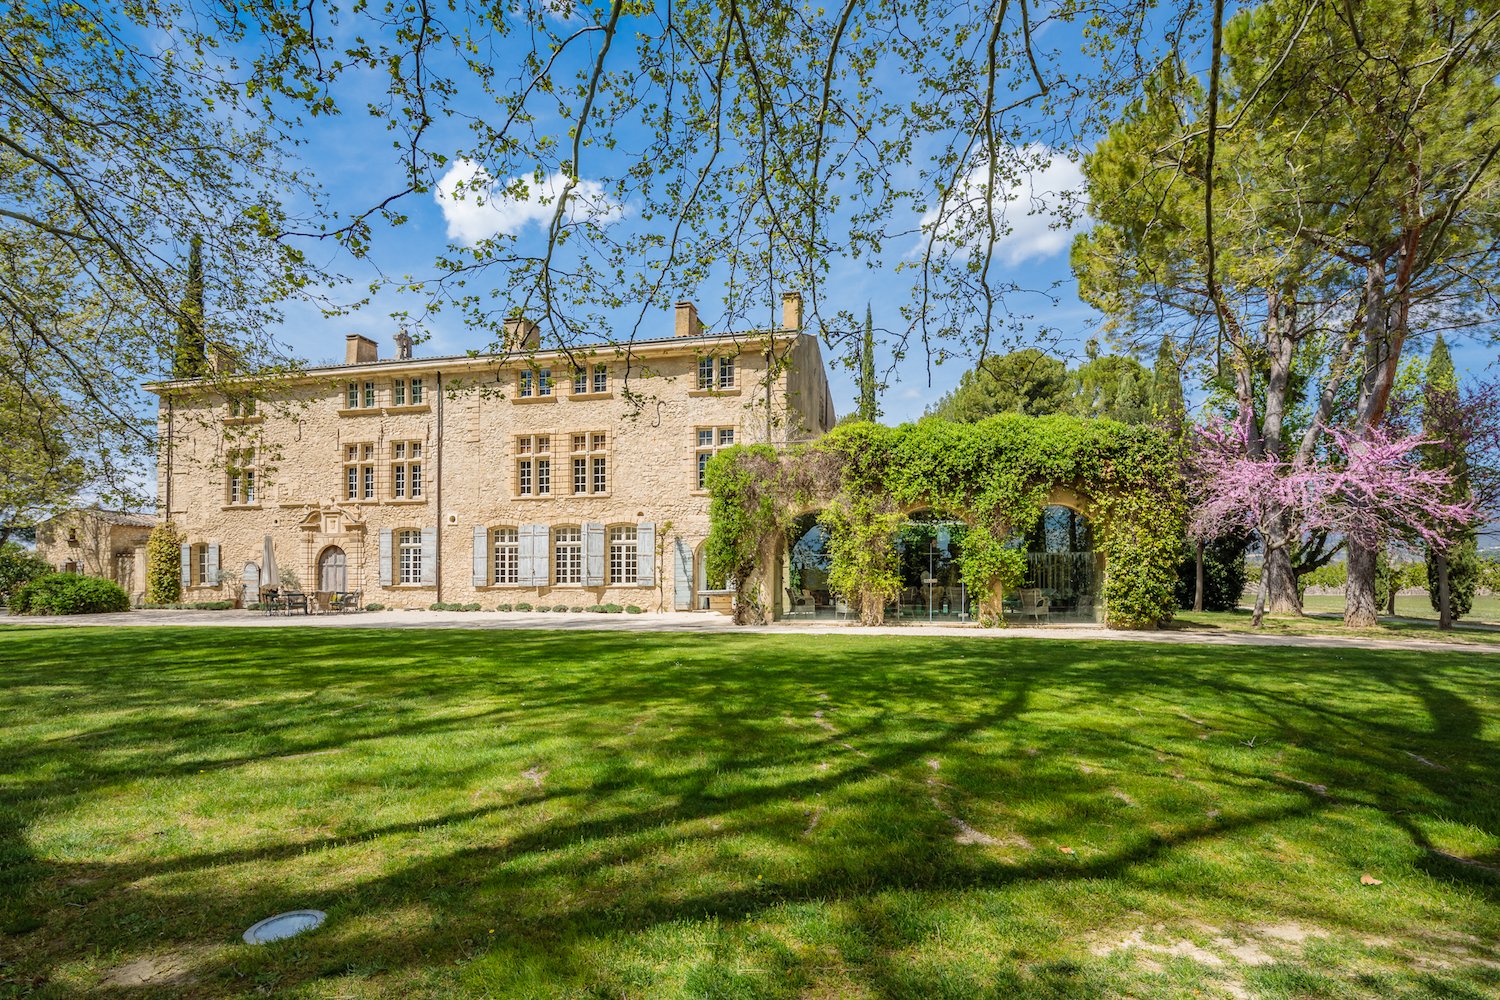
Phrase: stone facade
pixel 546 477
pixel 105 543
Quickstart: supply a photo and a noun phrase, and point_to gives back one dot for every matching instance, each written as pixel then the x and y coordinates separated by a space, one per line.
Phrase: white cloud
pixel 1033 187
pixel 477 206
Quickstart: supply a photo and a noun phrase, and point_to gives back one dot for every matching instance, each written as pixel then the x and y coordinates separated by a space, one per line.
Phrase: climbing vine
pixel 164 564
pixel 997 475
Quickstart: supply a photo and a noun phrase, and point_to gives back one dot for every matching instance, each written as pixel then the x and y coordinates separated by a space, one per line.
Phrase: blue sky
pixel 352 158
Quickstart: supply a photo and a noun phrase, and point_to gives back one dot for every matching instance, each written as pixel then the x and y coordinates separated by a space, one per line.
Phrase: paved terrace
pixel 707 622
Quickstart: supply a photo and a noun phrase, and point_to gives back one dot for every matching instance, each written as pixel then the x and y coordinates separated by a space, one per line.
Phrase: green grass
pixel 1486 608
pixel 497 814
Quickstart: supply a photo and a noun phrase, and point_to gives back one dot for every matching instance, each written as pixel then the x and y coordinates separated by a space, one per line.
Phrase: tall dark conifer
pixel 190 360
pixel 869 408
pixel 1452 570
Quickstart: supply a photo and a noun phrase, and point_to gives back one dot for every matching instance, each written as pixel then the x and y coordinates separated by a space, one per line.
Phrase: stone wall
pixel 467 424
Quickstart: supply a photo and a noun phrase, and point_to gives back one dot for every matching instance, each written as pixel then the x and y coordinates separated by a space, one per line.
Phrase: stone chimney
pixel 791 311
pixel 359 349
pixel 521 334
pixel 688 324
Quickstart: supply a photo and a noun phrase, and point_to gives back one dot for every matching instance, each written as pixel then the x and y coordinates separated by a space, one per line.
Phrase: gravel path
pixel 717 623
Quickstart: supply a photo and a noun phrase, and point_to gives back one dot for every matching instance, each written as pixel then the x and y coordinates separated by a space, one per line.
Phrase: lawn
pixel 504 814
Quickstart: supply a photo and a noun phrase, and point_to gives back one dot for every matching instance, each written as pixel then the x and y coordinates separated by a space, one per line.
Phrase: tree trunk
pixel 1260 601
pixel 1282 596
pixel 1198 583
pixel 1390 598
pixel 1445 594
pixel 1360 610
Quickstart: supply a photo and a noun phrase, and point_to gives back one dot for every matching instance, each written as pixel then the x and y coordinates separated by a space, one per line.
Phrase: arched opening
pixel 250 577
pixel 332 572
pixel 1063 570
pixel 805 592
pixel 928 553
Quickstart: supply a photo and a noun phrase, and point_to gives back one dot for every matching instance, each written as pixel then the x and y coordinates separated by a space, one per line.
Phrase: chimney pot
pixel 359 349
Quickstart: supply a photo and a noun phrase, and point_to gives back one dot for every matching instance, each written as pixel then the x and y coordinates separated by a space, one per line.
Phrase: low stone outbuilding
pixel 104 543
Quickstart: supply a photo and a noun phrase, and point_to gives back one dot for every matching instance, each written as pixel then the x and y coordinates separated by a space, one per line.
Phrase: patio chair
pixel 345 601
pixel 296 601
pixel 800 604
pixel 1034 605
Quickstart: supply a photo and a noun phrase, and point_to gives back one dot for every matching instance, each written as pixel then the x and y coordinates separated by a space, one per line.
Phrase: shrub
pixel 1224 573
pixel 542 608
pixel 472 607
pixel 613 609
pixel 597 608
pixel 504 607
pixel 375 607
pixel 18 567
pixel 631 609
pixel 69 594
pixel 164 564
pixel 523 606
pixel 576 610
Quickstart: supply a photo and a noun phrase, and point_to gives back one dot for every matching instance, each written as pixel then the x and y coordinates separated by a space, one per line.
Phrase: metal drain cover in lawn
pixel 284 925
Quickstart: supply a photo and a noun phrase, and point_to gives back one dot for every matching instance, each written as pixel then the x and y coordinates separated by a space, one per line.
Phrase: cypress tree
pixel 1453 568
pixel 190 360
pixel 1167 405
pixel 869 409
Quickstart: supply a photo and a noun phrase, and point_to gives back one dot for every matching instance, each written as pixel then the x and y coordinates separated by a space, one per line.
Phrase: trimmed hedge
pixel 69 594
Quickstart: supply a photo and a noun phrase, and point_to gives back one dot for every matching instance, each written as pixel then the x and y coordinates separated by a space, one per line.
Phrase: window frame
pixel 574 564
pixel 406 550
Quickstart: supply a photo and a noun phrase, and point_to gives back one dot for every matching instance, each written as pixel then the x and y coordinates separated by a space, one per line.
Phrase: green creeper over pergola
pixel 997 475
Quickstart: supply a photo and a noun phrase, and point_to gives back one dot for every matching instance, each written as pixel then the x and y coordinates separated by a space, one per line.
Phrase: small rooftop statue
pixel 403 346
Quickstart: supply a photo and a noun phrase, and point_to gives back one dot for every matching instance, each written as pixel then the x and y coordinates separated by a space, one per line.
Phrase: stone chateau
pixel 547 477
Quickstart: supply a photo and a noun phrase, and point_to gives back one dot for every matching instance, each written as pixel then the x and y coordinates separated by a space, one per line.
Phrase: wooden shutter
pixel 385 557
pixel 534 564
pixel 429 556
pixel 593 554
pixel 645 554
pixel 213 564
pixel 682 584
pixel 187 565
pixel 481 556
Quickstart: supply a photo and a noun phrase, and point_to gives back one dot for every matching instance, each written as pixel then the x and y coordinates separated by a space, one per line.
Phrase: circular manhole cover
pixel 284 925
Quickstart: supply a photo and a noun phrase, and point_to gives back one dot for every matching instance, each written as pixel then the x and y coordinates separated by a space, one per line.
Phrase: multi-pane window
pixel 359 472
pixel 711 440
pixel 359 395
pixel 594 379
pixel 200 566
pixel 404 392
pixel 406 470
pixel 506 565
pixel 242 476
pixel 567 555
pixel 409 555
pixel 534 465
pixel 590 462
pixel 241 406
pixel 716 373
pixel 623 555
pixel 534 383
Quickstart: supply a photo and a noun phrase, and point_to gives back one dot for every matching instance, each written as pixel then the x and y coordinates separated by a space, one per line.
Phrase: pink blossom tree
pixel 1367 489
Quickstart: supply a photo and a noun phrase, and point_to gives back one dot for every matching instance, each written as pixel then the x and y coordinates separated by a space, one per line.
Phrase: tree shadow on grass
pixel 607 849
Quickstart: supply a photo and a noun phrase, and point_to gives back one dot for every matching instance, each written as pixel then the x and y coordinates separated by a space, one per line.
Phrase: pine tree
pixel 869 409
pixel 191 357
pixel 1455 567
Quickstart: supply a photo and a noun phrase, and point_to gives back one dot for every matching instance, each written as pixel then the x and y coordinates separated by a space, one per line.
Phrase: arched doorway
pixel 805 592
pixel 929 550
pixel 1062 569
pixel 332 575
pixel 250 577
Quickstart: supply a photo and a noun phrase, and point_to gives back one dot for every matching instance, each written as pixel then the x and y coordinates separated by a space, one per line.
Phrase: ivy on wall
pixel 997 475
pixel 164 564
